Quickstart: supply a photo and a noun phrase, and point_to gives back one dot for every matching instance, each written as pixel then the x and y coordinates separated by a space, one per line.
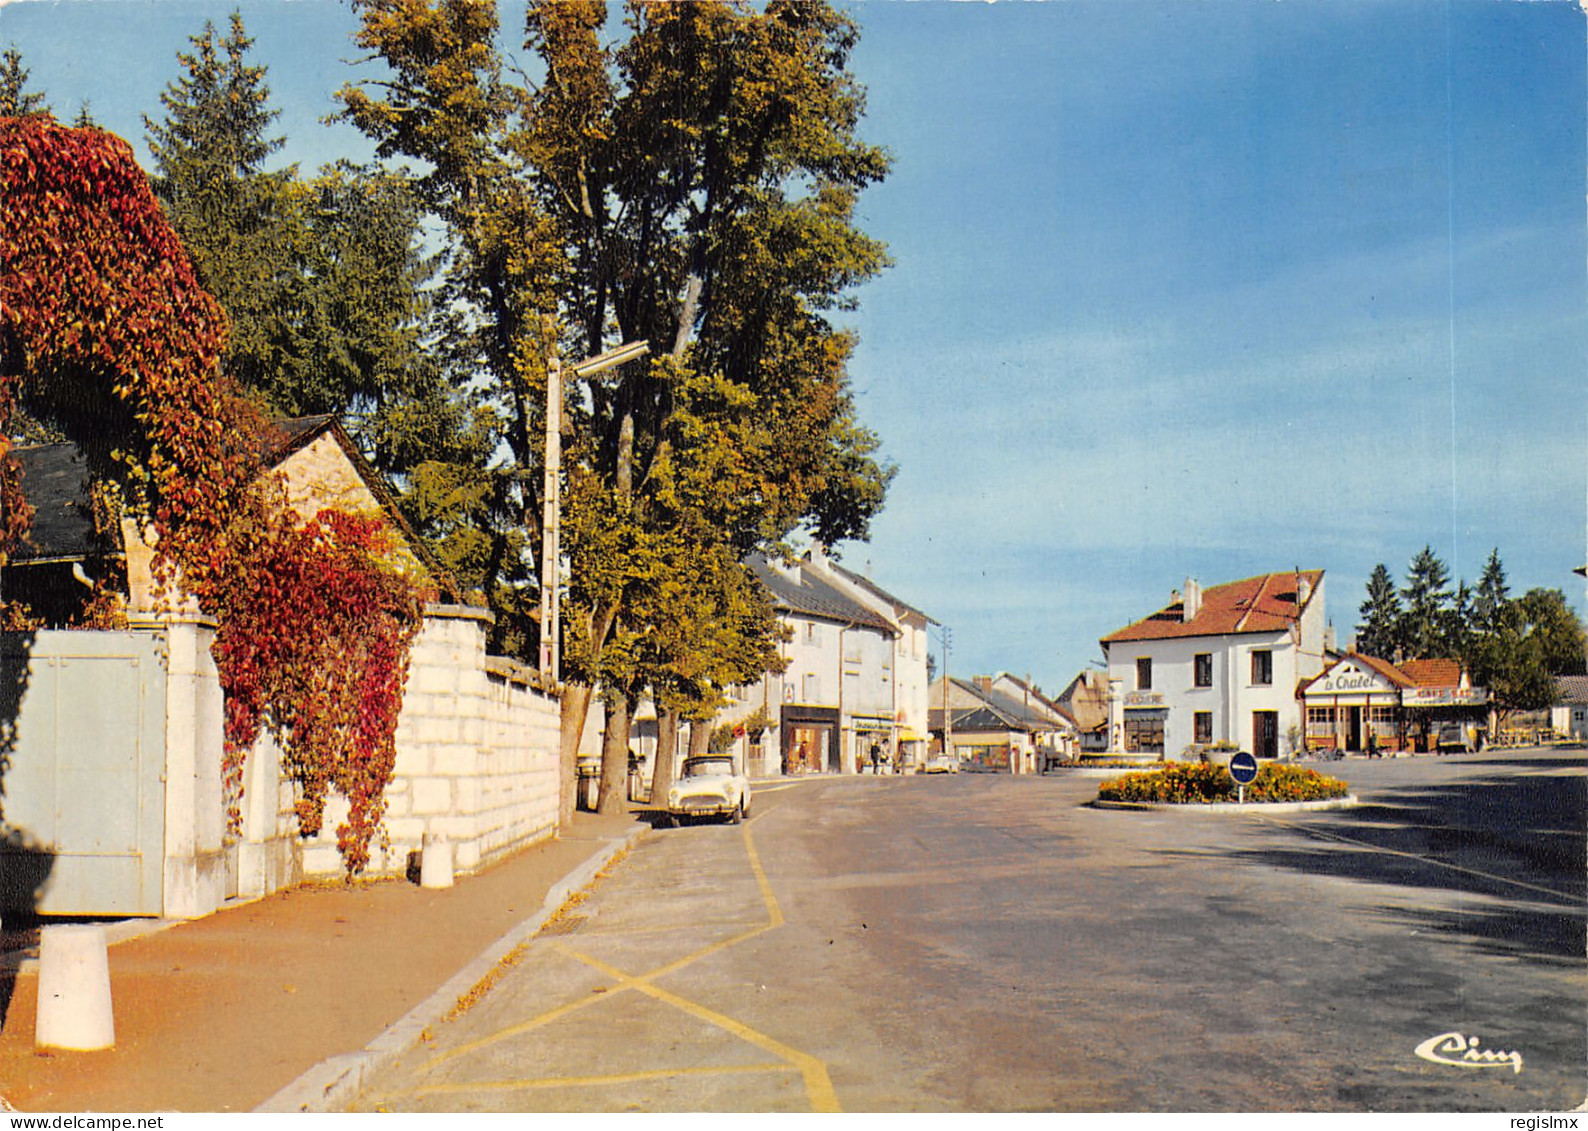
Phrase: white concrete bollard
pixel 74 990
pixel 435 861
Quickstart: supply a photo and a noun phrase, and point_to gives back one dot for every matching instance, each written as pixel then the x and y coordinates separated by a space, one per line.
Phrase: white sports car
pixel 709 787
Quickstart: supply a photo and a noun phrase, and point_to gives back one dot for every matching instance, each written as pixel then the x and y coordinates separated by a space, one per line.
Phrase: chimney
pixel 1193 600
pixel 983 682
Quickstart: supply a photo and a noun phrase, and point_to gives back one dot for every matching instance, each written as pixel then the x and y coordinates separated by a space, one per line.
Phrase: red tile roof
pixel 1433 673
pixel 1266 603
pixel 1389 671
pixel 1384 668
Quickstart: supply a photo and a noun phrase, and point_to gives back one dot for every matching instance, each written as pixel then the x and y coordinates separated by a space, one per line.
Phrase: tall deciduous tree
pixel 1537 638
pixel 692 185
pixel 712 205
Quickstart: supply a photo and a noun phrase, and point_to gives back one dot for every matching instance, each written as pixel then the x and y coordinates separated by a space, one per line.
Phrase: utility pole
pixel 551 520
pixel 948 717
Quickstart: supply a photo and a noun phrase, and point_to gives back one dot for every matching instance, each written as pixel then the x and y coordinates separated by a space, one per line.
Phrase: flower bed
pixel 1201 784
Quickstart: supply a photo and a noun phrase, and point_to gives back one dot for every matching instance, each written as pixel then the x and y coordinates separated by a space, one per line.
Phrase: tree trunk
pixel 615 759
pixel 666 746
pixel 699 737
pixel 575 709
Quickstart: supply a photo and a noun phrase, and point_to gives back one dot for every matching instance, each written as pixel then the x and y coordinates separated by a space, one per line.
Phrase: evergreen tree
pixel 1381 613
pixel 15 98
pixel 241 225
pixel 325 282
pixel 1424 625
pixel 1492 596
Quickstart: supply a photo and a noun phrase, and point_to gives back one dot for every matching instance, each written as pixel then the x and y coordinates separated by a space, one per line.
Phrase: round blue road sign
pixel 1243 768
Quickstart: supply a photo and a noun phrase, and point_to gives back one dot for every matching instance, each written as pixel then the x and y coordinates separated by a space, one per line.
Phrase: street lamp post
pixel 551 510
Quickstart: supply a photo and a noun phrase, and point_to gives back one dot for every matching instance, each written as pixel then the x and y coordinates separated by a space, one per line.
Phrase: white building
pixel 1569 717
pixel 1220 665
pixel 908 678
pixel 838 693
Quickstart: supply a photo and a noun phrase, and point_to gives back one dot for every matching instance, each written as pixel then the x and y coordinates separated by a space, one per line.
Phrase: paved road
pixel 982 943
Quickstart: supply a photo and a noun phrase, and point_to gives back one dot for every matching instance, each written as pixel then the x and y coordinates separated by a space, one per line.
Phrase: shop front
pixel 1362 704
pixel 1354 706
pixel 1446 720
pixel 873 731
pixel 809 739
pixel 1145 723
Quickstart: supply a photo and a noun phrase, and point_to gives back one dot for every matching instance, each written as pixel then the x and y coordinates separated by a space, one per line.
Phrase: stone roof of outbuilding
pixel 1269 602
pixel 1573 688
pixel 55 483
pixel 56 479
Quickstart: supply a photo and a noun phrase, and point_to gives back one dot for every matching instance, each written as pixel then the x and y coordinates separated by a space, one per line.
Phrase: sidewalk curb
pixel 333 1083
pixel 1251 808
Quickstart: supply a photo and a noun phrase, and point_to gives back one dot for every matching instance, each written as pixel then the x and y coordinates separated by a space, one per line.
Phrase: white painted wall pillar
pixel 195 864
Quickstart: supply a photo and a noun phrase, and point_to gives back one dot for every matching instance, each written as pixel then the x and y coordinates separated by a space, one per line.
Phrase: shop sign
pixel 1347 680
pixel 1144 699
pixel 1444 696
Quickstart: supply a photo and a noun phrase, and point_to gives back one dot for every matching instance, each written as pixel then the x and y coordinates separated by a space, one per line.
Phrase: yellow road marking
pixel 593 1081
pixel 818 1084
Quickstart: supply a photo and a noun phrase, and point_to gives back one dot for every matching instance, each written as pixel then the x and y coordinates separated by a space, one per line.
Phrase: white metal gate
pixel 82 759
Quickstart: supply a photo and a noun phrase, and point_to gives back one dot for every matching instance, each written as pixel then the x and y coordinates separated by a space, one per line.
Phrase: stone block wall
pixel 476 756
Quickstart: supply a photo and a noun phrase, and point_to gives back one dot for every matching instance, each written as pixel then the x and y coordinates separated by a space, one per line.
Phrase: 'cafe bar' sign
pixel 1444 696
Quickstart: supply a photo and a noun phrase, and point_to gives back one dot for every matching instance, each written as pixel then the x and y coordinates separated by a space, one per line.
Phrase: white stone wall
pixel 476 760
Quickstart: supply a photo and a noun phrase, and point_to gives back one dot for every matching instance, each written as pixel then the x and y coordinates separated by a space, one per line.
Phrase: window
pixel 1202 725
pixel 812 632
pixel 1263 668
pixel 812 688
pixel 1320 722
pixel 1202 675
pixel 1144 674
pixel 1144 732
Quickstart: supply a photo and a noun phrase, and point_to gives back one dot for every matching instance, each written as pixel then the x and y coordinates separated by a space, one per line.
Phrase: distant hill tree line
pixel 1513 646
pixel 690 180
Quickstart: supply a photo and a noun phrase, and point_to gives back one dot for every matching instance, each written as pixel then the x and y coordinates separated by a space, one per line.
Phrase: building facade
pixel 1360 703
pixel 1001 723
pixel 1218 666
pixel 908 676
pixel 838 693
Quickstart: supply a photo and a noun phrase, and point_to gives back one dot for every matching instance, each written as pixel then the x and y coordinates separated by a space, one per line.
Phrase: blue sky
pixel 1181 289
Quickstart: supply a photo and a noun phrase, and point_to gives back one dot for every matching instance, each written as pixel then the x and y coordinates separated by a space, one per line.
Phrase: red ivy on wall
pixel 314 640
pixel 101 314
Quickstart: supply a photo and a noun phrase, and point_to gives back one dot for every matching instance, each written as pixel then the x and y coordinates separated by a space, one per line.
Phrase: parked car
pixel 709 787
pixel 941 764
